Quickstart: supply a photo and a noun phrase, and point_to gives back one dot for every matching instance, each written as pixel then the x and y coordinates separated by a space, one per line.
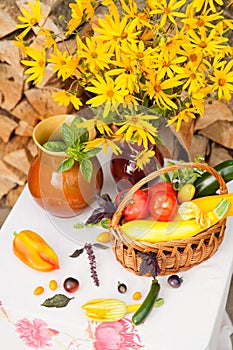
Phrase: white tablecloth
pixel 192 318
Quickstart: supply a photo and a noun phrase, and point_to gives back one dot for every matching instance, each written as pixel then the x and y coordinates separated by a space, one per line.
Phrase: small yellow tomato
pixel 186 193
pixel 38 290
pixel 103 237
pixel 53 285
pixel 137 295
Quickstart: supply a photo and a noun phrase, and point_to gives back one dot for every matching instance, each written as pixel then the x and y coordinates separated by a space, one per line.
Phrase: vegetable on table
pixel 38 290
pixel 33 250
pixel 175 281
pixel 121 287
pixel 155 231
pixel 207 184
pixel 140 315
pixel 111 309
pixel 71 284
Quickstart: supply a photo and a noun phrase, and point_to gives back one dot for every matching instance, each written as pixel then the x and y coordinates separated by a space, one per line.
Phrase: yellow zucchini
pixel 208 203
pixel 160 231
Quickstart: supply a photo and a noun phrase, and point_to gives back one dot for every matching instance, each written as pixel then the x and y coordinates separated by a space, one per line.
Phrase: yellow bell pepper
pixel 32 249
pixel 111 309
pixel 187 225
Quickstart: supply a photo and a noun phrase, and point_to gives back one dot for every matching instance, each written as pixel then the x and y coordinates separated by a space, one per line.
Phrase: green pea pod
pixel 140 315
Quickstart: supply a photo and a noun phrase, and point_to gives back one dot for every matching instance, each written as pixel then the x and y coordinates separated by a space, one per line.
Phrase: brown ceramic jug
pixel 63 194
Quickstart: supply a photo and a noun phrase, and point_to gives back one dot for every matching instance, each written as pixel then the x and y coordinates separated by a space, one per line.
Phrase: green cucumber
pixel 207 184
pixel 148 303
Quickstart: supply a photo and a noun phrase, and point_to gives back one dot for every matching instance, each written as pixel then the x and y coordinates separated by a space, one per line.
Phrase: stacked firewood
pixel 21 104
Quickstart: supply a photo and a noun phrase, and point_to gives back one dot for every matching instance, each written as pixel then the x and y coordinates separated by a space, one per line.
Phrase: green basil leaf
pixel 92 152
pixel 65 165
pixel 55 146
pixel 77 120
pixel 58 300
pixel 81 134
pixel 68 135
pixel 86 169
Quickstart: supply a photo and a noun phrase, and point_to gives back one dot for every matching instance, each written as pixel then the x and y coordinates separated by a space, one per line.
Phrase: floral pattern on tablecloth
pixel 36 334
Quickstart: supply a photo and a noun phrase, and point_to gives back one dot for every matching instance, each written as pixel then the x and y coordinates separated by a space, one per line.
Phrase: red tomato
pixel 164 186
pixel 163 205
pixel 137 206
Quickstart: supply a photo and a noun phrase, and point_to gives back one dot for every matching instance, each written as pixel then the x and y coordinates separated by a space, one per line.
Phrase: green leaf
pixel 65 165
pixel 68 135
pixel 81 134
pixel 86 169
pixel 77 120
pixel 58 300
pixel 100 246
pixel 76 253
pixel 92 152
pixel 55 146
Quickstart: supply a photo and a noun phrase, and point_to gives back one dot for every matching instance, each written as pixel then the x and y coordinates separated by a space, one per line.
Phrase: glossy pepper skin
pixel 32 249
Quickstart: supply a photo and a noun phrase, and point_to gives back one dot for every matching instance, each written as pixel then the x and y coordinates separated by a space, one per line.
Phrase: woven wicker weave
pixel 172 256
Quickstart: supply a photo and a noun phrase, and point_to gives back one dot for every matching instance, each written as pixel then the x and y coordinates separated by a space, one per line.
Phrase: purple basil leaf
pixel 96 216
pixel 105 202
pixel 144 268
pixel 149 264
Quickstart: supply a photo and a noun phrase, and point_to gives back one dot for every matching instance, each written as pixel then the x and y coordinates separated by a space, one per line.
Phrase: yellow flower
pixel 198 98
pixel 95 53
pixel 194 78
pixel 127 75
pixel 138 128
pixel 50 37
pixel 93 123
pixel 208 41
pixel 223 80
pixel 105 143
pixel 183 115
pixel 31 18
pixel 107 92
pixel 170 66
pixel 140 55
pixel 37 64
pixel 157 89
pixel 144 157
pixel 203 4
pixel 64 65
pixel 22 45
pixel 168 47
pixel 65 97
pixel 168 10
pixel 202 20
pixel 79 10
pixel 115 31
pixel 166 55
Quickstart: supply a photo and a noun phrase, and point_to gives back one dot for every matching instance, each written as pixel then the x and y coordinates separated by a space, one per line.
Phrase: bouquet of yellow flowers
pixel 166 55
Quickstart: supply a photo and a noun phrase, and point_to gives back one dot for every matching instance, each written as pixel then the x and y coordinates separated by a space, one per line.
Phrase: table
pixel 193 316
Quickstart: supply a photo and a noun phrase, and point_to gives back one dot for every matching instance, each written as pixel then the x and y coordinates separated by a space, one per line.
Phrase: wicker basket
pixel 172 256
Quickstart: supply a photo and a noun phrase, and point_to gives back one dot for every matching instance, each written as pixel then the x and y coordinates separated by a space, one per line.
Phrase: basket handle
pixel 222 185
